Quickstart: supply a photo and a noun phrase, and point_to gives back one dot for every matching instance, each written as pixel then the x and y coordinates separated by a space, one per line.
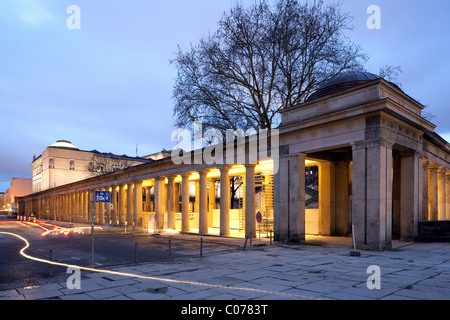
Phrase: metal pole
pixel 259 223
pixel 135 254
pixel 92 226
pixel 50 258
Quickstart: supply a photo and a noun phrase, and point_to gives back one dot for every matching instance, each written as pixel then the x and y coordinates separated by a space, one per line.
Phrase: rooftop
pixel 63 144
pixel 342 82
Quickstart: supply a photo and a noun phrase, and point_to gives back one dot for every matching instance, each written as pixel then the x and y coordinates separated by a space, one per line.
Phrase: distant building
pixel 63 163
pixel 3 203
pixel 159 155
pixel 19 187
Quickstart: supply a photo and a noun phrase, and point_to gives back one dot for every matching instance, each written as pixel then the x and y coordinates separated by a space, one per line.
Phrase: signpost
pixel 259 219
pixel 97 197
pixel 102 196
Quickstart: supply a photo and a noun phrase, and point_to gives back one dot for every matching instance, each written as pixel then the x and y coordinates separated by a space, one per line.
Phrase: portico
pixel 380 168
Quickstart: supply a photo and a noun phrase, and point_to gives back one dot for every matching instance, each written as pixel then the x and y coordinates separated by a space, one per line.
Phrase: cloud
pixel 29 12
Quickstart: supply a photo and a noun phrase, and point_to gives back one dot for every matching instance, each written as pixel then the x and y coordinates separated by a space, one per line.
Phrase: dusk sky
pixel 108 86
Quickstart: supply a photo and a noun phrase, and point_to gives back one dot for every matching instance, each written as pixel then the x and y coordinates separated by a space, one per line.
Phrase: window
pixel 72 165
pixel 51 163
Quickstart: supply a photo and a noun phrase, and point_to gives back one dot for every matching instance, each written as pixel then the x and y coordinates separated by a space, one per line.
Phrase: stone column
pixel 432 192
pixel 185 219
pixel 108 218
pixel 203 202
pixel 372 195
pixel 225 201
pixel 87 196
pixel 101 210
pixel 171 202
pixel 114 211
pixel 130 204
pixel 160 202
pixel 250 218
pixel 80 206
pixel 425 164
pixel 122 204
pixel 137 213
pixel 197 197
pixel 327 218
pixel 289 199
pixel 177 197
pixel 447 195
pixel 69 207
pixel 342 209
pixel 91 206
pixel 147 199
pixel 97 209
pixel 441 193
pixel 211 199
pixel 75 206
pixel 410 195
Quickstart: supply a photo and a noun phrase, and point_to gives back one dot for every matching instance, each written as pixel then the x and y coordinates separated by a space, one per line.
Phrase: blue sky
pixel 108 86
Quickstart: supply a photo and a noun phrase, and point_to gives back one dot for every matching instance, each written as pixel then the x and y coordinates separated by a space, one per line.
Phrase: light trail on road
pixel 132 275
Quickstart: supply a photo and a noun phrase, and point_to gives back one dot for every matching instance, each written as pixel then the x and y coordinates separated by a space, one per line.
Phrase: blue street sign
pixel 102 196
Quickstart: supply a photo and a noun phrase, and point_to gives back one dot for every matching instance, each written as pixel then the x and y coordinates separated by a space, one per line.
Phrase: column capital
pixel 371 144
pixel 186 175
pixel 442 169
pixel 291 157
pixel 325 164
pixel 226 168
pixel 204 172
pixel 432 166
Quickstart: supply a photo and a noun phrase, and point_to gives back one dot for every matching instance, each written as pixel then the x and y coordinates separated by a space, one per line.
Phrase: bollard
pixel 135 254
pixel 170 249
pixel 270 236
pixel 201 247
pixel 245 243
pixel 50 258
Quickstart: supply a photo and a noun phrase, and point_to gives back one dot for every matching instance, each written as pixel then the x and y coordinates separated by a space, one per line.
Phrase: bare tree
pixel 261 60
pixel 391 74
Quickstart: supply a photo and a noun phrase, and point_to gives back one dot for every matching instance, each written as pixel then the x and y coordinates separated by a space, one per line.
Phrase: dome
pixel 63 144
pixel 343 82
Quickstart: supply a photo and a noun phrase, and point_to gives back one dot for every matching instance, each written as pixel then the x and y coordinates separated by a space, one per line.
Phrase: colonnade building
pixel 381 170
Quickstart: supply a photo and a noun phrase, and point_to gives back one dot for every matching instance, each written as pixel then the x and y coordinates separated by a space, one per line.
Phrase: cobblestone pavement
pixel 268 272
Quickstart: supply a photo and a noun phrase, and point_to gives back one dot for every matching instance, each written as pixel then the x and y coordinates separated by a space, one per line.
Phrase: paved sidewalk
pixel 270 272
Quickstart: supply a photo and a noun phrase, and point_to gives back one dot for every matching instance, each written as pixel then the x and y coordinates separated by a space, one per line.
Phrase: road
pixel 111 249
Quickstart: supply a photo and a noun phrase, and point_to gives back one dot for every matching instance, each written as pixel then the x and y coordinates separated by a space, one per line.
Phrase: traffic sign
pixel 102 196
pixel 259 217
